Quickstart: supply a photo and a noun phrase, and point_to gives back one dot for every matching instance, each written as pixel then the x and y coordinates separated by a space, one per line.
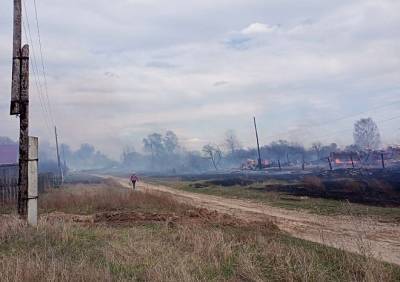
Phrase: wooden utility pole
pixel 20 106
pixel 383 160
pixel 16 62
pixel 64 159
pixel 258 145
pixel 61 174
pixel 330 163
pixel 24 133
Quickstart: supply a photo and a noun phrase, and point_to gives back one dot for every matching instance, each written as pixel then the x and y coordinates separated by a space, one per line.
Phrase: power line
pixel 349 129
pixel 42 61
pixel 334 120
pixel 46 110
pixel 35 68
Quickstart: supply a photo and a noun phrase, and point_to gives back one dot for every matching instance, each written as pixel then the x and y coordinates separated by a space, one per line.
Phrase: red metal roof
pixel 8 154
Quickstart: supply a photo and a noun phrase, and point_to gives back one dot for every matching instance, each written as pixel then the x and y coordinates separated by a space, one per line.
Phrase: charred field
pixel 374 187
pixel 375 192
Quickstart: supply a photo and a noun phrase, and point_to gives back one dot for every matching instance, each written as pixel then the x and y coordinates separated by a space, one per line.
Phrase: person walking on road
pixel 134 179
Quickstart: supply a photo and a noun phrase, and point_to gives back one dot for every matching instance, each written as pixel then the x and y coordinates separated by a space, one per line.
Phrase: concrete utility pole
pixel 58 157
pixel 258 145
pixel 33 181
pixel 20 106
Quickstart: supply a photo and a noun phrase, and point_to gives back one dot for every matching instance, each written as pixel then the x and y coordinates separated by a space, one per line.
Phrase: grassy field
pixel 259 192
pixel 105 233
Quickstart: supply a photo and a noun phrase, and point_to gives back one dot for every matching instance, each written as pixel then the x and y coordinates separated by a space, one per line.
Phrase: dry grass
pixel 63 252
pixel 159 252
pixel 107 196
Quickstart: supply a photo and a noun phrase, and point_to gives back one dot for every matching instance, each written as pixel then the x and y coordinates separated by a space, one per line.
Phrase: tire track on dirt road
pixel 354 234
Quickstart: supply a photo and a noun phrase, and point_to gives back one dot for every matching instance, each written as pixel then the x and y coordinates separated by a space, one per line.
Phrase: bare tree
pixel 366 134
pixel 214 154
pixel 231 141
pixel 317 147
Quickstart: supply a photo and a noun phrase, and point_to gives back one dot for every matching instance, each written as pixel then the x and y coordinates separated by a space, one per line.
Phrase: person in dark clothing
pixel 134 179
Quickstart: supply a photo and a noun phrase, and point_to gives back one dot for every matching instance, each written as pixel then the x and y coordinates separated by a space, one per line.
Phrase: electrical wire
pixel 36 76
pixel 283 133
pixel 43 98
pixel 43 63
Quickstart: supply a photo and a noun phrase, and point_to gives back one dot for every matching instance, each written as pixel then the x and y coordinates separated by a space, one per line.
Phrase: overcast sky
pixel 119 70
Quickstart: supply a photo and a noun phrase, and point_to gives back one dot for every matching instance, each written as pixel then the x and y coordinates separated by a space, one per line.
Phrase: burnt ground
pixel 195 216
pixel 374 186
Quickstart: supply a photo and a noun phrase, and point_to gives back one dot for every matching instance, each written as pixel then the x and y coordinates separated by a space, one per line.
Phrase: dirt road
pixel 365 236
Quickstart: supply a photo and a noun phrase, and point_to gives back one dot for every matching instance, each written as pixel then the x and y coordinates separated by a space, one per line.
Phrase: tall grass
pixel 63 252
pixel 108 196
pixel 58 251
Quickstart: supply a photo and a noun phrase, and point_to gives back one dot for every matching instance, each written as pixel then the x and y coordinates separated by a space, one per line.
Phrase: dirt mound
pixel 129 218
pixel 60 217
pixel 195 216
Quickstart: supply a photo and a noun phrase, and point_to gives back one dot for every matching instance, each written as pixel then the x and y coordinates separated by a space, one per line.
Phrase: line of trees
pixel 165 153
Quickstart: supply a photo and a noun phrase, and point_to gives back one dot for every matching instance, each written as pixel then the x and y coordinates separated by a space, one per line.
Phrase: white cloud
pixel 257 28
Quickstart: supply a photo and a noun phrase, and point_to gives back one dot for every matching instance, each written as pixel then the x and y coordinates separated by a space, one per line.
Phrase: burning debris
pixel 367 159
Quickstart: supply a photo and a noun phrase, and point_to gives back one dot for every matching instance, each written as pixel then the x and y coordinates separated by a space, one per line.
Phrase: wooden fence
pixel 8 190
pixel 9 184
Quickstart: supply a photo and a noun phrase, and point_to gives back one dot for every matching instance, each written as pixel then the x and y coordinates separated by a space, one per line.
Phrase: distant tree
pixel 317 148
pixel 164 150
pixel 129 155
pixel 297 152
pixel 352 148
pixel 280 149
pixel 86 151
pixel 154 145
pixel 195 161
pixel 366 134
pixel 213 153
pixel 231 142
pixel 171 142
pixel 86 157
pixel 6 141
pixel 66 151
pixel 327 150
